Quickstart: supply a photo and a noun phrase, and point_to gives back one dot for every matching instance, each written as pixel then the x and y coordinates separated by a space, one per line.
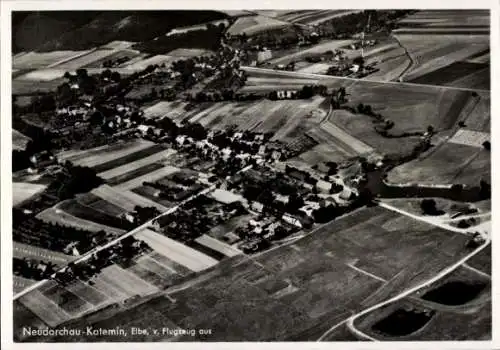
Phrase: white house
pixel 180 139
pixel 323 186
pixel 257 206
pixel 291 220
pixel 143 128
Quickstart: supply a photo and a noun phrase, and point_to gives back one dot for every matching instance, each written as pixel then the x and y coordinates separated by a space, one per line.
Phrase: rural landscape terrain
pixel 253 175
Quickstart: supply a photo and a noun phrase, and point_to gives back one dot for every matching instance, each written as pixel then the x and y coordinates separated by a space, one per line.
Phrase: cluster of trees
pixel 41 140
pixel 306 176
pixel 32 269
pixel 144 214
pixel 30 230
pixel 113 63
pixel 306 92
pixel 223 95
pixel 122 253
pixel 86 83
pixel 484 189
pixel 111 75
pixel 281 38
pixel 74 179
pixel 428 207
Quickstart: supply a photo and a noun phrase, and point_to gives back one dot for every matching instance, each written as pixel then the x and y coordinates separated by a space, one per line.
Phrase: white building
pixel 291 220
pixel 323 186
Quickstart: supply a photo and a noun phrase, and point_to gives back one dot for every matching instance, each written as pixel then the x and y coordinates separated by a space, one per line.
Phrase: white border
pixel 6 147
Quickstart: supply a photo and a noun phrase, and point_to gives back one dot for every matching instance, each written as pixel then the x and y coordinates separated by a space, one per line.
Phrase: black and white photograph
pixel 250 175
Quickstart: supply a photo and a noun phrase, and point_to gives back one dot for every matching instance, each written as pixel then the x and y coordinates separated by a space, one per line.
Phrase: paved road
pixel 87 255
pixel 323 76
pixel 350 320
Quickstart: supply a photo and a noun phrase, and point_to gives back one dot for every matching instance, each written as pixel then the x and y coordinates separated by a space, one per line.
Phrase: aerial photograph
pixel 251 175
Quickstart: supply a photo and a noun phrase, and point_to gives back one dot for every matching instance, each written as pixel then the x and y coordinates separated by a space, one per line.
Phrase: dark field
pixel 134 173
pixel 473 324
pixel 299 291
pixel 450 73
pixel 439 311
pixel 148 192
pixel 89 213
pixel 129 158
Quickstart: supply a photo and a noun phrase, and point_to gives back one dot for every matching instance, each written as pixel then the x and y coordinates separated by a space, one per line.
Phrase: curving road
pixel 350 320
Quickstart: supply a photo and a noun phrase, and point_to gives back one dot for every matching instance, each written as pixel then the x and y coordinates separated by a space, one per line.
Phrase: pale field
pixel 434 31
pixel 157 157
pixel 181 254
pixel 279 13
pixel 320 48
pixel 132 61
pixel 204 113
pixel 19 140
pixel 281 117
pixel 144 63
pixel 171 109
pixel 183 53
pixel 269 88
pixel 118 45
pixel 127 281
pixel 470 138
pixel 218 246
pixel 113 284
pixel 440 62
pixel 21 250
pixel 481 59
pixel 103 154
pixel 254 24
pixel 316 68
pixel 449 164
pixel 431 52
pixel 150 177
pixel 47 74
pixel 389 70
pixel 275 81
pixel 35 60
pixel 342 136
pixel 125 199
pixel 22 191
pixel 160 109
pixel 44 308
pixel 54 215
pixel 452 18
pixel 53 74
pixel 85 59
pixel 323 153
pixel 295 16
pixel 479 117
pixel 20 283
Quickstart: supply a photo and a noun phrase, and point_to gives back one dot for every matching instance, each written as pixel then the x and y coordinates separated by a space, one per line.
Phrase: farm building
pixel 264 55
pixel 257 206
pixel 323 186
pixel 225 196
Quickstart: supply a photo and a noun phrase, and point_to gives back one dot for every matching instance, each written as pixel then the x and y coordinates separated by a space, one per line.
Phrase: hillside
pixel 73 30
